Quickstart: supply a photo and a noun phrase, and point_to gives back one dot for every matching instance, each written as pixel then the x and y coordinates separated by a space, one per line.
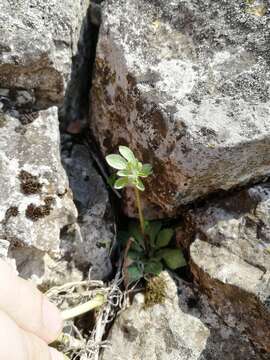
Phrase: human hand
pixel 28 321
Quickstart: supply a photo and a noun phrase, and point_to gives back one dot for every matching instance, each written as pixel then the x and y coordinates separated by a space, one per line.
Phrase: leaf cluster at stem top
pixel 130 169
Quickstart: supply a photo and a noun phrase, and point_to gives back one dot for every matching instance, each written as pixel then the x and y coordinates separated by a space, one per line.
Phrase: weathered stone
pixel 185 84
pixel 35 200
pixel 38 40
pixel 95 214
pixel 230 259
pixel 183 328
pixel 44 270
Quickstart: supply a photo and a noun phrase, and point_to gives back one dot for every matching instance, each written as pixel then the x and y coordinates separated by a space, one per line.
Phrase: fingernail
pixel 51 319
pixel 56 355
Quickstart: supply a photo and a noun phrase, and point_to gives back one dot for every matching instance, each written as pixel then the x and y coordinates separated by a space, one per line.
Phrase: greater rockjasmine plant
pixel 130 171
pixel 149 249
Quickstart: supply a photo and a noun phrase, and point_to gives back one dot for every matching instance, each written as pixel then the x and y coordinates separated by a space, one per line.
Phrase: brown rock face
pixel 230 259
pixel 184 85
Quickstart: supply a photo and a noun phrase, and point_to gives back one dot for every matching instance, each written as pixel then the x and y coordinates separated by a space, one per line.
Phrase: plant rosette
pixel 159 256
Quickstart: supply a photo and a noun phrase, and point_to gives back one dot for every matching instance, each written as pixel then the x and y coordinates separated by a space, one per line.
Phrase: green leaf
pixel 153 267
pixel 136 247
pixel 121 183
pixel 152 228
pixel 135 255
pixel 123 237
pixel 164 237
pixel 135 231
pixel 133 181
pixel 116 161
pixel 173 258
pixel 127 153
pixel 134 273
pixel 111 180
pixel 139 185
pixel 146 170
pixel 123 172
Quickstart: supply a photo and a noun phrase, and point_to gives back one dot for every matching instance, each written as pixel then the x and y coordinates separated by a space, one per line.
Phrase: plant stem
pixel 138 203
pixel 97 301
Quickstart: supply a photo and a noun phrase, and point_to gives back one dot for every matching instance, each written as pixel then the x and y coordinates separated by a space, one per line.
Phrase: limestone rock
pixel 230 259
pixel 185 84
pixel 37 42
pixel 35 199
pixel 45 271
pixel 95 214
pixel 183 328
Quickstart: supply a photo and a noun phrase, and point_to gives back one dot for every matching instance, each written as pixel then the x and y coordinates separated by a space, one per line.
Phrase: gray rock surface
pixel 95 214
pixel 37 42
pixel 185 84
pixel 35 200
pixel 230 259
pixel 183 328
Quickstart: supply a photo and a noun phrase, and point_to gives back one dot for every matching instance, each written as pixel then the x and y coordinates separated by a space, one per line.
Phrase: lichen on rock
pixel 32 176
pixel 187 89
pixel 38 41
pixel 184 327
pixel 231 262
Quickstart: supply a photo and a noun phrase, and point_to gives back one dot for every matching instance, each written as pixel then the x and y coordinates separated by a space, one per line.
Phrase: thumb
pixel 27 306
pixel 17 344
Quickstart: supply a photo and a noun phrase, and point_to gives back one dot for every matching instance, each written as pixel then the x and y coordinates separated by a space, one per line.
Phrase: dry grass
pixel 74 342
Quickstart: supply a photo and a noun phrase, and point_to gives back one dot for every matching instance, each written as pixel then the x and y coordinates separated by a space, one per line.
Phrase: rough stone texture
pixel 35 199
pixel 37 42
pixel 183 328
pixel 44 270
pixel 230 259
pixel 95 214
pixel 185 83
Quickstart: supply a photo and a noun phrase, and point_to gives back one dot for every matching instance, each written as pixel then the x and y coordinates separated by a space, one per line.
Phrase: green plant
pixel 142 263
pixel 147 245
pixel 130 172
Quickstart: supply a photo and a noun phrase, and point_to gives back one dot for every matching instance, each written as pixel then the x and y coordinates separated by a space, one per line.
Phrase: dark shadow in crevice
pixel 74 113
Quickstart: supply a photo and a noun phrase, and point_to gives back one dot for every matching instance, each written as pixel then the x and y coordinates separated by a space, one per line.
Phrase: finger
pixel 16 344
pixel 27 306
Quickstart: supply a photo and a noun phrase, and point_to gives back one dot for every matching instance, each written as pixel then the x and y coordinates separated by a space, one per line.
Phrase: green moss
pixel 155 291
pixel 29 183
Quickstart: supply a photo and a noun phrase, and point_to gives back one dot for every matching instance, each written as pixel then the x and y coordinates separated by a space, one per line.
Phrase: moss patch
pixel 28 117
pixel 29 183
pixel 11 212
pixel 155 292
pixel 35 213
